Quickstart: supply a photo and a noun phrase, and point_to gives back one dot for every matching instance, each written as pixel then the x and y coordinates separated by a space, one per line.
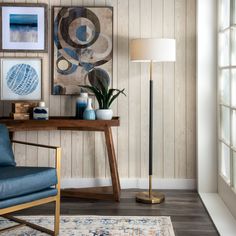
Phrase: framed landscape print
pixel 82 47
pixel 23 27
pixel 20 79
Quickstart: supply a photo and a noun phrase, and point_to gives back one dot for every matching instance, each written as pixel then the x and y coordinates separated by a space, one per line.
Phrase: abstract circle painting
pixel 82 44
pixel 22 79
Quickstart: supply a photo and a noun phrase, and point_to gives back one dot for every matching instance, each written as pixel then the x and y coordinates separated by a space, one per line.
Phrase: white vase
pixel 104 114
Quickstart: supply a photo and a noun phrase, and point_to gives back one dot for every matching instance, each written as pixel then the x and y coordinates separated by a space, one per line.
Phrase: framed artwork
pixel 23 27
pixel 21 79
pixel 82 47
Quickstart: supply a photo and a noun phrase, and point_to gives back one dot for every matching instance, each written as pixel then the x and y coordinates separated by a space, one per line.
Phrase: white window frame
pixel 226 187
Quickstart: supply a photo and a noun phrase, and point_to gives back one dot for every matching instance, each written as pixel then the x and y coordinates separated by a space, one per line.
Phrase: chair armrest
pixel 57 156
pixel 35 144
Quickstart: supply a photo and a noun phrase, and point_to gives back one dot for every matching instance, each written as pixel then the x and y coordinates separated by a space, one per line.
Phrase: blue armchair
pixel 25 187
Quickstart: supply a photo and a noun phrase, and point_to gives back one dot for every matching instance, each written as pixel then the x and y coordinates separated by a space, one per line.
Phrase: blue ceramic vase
pixel 81 104
pixel 89 113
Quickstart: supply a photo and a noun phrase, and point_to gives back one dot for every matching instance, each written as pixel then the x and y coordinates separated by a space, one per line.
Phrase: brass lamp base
pixel 154 198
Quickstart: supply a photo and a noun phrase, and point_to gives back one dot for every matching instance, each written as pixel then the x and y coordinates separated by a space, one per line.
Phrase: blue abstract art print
pixel 21 79
pixel 23 28
pixel 82 47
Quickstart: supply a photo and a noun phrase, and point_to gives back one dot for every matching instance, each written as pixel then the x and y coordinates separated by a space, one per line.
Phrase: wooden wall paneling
pixel 20 150
pixel 88 155
pixel 191 88
pixel 66 100
pixel 66 136
pixel 32 152
pixel 89 138
pixel 134 95
pixel 7 104
pixel 66 154
pixel 100 146
pixel 43 136
pixel 55 100
pixel 73 98
pixel 43 153
pixel 168 94
pixel 114 3
pixel 76 2
pixel 157 32
pixel 174 116
pixel 77 154
pixel 123 75
pixel 180 90
pixel 54 140
pixel 145 24
pixel 76 136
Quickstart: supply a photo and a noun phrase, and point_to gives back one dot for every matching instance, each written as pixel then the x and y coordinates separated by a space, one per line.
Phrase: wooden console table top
pixel 59 123
pixel 70 123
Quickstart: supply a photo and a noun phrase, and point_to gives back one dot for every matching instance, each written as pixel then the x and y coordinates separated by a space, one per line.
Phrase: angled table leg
pixel 105 193
pixel 112 163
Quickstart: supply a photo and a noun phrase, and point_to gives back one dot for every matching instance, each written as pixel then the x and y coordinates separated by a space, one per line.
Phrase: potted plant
pixel 105 97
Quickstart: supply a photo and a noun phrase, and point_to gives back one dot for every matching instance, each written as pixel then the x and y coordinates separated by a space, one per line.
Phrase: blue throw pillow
pixel 6 152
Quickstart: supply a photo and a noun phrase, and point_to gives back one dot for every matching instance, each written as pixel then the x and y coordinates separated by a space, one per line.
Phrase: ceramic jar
pixel 41 112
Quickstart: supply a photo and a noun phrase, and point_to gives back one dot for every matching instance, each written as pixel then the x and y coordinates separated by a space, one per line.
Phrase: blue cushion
pixel 6 153
pixel 28 198
pixel 17 181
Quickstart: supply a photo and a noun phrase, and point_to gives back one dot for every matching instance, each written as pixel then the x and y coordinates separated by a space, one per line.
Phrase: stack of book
pixel 22 110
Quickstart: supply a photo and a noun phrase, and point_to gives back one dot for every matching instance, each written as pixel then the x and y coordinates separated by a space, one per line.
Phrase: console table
pixel 70 123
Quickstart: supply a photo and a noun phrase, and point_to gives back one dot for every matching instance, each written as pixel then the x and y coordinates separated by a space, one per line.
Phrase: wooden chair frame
pixel 5 211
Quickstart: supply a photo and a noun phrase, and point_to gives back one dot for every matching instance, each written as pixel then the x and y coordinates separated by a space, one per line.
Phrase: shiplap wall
pixel 83 153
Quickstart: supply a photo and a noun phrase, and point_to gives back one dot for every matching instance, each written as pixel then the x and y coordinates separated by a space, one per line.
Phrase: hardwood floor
pixel 187 212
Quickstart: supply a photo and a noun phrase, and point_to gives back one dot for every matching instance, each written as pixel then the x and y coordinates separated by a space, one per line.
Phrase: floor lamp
pixel 152 50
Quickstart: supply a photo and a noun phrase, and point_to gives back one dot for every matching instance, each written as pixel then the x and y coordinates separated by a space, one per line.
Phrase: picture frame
pixel 80 33
pixel 21 79
pixel 23 27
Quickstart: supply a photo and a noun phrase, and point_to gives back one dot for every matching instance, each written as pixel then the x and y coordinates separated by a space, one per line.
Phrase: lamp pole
pixel 150 129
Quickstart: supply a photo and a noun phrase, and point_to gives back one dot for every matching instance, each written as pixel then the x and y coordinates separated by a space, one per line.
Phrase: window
pixel 227 91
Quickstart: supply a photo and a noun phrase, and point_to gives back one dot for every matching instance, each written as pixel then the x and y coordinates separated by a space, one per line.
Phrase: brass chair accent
pixel 4 212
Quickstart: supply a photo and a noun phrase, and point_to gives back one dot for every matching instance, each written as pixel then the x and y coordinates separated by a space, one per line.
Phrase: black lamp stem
pixel 150 130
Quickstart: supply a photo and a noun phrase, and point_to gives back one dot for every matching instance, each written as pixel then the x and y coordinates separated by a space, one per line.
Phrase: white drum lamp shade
pixel 154 49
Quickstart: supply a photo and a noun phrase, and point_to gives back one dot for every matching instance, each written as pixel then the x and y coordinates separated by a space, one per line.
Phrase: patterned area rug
pixel 97 226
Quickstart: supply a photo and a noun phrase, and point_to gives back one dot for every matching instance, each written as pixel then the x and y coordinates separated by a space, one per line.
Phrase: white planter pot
pixel 104 114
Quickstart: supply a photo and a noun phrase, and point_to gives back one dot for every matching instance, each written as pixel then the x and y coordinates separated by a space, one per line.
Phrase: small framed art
pixel 23 27
pixel 21 79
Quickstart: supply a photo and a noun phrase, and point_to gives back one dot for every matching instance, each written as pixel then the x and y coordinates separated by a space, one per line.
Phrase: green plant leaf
pixel 98 74
pixel 104 92
pixel 97 94
pixel 116 95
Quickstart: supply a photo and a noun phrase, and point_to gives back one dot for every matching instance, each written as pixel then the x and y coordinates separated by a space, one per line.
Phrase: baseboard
pixel 128 183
